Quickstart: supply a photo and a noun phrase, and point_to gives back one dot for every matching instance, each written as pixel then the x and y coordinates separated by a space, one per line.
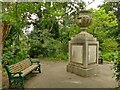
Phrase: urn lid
pixel 82 37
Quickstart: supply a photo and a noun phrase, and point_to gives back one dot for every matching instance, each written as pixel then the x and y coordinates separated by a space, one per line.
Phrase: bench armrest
pixel 10 72
pixel 36 61
pixel 16 73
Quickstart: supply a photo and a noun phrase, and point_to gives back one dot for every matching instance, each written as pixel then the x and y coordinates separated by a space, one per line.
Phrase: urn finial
pixel 84 19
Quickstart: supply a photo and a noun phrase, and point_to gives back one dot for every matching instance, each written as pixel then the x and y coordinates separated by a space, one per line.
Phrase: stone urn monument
pixel 83 49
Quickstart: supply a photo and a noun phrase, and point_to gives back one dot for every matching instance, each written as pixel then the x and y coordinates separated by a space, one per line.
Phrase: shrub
pixel 117 68
pixel 13 51
pixel 110 56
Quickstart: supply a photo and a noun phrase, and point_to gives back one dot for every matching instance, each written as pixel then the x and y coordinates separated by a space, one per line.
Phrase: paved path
pixel 54 75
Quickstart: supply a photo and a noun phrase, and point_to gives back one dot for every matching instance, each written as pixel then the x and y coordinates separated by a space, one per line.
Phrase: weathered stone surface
pixel 83 56
pixel 82 37
pixel 92 54
pixel 85 72
pixel 77 55
pixel 84 19
pixel 83 49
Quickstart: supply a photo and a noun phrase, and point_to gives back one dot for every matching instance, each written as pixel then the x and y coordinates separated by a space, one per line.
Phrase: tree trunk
pixel 1 43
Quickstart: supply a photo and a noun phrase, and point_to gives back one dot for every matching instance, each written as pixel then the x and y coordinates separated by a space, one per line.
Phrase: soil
pixel 54 75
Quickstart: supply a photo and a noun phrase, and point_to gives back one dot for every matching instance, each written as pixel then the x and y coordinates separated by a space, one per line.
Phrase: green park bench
pixel 18 71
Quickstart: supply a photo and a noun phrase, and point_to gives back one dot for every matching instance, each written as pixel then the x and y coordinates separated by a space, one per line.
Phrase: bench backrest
pixel 25 64
pixel 19 66
pixel 15 67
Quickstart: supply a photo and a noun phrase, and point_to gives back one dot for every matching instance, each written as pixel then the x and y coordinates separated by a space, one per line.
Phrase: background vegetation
pixel 53 25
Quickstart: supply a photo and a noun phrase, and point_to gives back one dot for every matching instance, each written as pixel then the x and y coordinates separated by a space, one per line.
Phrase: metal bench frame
pixel 19 79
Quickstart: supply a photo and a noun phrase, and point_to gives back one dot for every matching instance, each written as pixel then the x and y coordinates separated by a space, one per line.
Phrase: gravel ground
pixel 54 75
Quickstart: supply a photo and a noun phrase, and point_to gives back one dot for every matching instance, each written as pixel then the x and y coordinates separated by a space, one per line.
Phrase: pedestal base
pixel 85 72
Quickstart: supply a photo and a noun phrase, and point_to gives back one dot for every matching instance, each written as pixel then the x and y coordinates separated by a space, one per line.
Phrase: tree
pixel 14 40
pixel 114 7
pixel 18 16
pixel 104 26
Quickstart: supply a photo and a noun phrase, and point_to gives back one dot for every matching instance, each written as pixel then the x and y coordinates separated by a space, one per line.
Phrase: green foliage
pixel 109 56
pixel 103 24
pixel 104 28
pixel 52 31
pixel 15 48
pixel 54 28
pixel 43 44
pixel 109 44
pixel 117 67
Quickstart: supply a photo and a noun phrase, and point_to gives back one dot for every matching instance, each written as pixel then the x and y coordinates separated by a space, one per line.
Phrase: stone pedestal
pixel 83 55
pixel 83 49
pixel 84 72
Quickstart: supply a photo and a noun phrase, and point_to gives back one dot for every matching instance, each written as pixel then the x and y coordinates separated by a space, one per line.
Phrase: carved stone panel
pixel 77 53
pixel 92 54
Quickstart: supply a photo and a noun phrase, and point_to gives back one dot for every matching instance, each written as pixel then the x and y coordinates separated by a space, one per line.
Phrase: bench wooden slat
pixel 27 70
pixel 31 68
pixel 25 64
pixel 15 68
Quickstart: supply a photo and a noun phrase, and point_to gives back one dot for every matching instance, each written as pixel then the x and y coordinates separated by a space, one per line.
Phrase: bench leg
pixel 10 83
pixel 17 82
pixel 22 83
pixel 39 69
